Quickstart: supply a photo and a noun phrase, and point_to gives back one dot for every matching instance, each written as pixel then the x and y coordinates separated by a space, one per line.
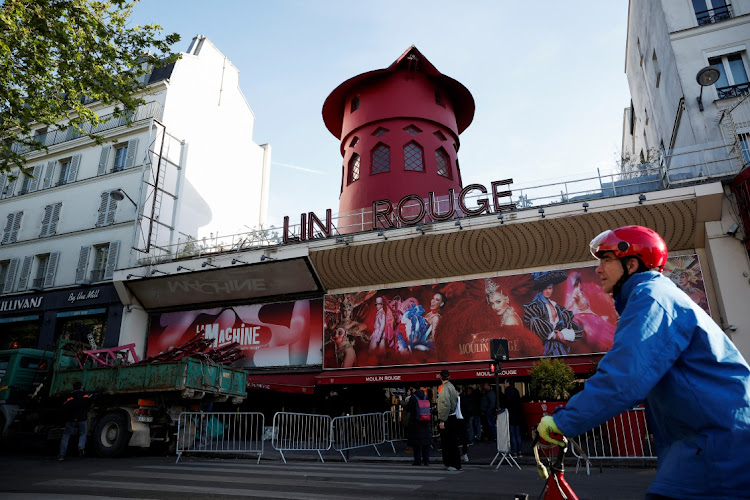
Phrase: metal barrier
pixel 624 437
pixel 301 432
pixel 220 432
pixel 358 431
pixel 394 428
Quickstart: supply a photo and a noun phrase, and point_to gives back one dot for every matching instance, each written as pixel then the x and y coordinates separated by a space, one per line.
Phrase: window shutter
pixel 83 262
pixel 36 173
pixel 8 191
pixel 3 175
pixel 114 250
pixel 48 174
pixel 102 210
pixel 46 220
pixel 8 228
pixel 111 210
pixel 75 162
pixel 11 277
pixel 103 159
pixel 16 227
pixel 56 208
pixel 49 278
pixel 130 158
pixel 25 272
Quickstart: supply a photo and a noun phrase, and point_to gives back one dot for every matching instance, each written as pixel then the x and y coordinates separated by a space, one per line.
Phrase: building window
pixel 732 80
pixel 439 135
pixel 355 103
pixel 4 268
pixel 42 265
pixel 413 157
pixel 439 99
pixel 121 154
pixel 353 174
pixel 25 184
pixel 645 114
pixel 355 141
pixel 64 172
pixel 12 227
pixel 657 71
pixel 107 209
pixel 711 11
pixel 443 163
pixel 745 148
pixel 40 136
pixel 381 159
pixel 50 219
pixel 640 52
pixel 412 130
pixel 101 252
pixel 380 132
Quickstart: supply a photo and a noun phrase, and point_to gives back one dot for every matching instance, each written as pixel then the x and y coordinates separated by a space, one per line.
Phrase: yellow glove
pixel 546 428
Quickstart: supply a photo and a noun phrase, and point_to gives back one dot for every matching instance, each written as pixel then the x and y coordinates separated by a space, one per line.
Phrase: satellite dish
pixel 707 76
pixel 117 194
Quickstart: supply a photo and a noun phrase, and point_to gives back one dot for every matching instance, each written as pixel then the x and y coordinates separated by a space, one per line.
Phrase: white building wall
pixel 206 107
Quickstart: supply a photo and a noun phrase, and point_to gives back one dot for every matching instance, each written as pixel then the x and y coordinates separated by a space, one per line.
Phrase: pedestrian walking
pixel 419 428
pixel 448 423
pixel 76 410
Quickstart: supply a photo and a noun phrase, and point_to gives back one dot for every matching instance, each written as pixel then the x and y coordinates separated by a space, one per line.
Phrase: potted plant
pixel 550 384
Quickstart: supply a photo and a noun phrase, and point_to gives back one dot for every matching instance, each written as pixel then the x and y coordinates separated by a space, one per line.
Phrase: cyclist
pixel 669 353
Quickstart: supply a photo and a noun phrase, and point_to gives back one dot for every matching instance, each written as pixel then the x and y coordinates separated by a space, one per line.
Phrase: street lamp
pixel 705 77
pixel 119 195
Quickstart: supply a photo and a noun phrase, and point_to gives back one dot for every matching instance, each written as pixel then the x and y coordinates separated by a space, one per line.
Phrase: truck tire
pixel 111 435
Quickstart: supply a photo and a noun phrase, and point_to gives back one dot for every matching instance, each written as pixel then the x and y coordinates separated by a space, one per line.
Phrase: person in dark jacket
pixel 418 432
pixel 76 410
pixel 512 401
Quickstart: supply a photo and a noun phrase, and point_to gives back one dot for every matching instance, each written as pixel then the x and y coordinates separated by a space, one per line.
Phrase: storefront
pixel 90 315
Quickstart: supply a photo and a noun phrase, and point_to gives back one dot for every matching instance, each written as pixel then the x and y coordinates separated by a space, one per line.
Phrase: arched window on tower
pixel 380 160
pixel 413 157
pixel 443 162
pixel 353 174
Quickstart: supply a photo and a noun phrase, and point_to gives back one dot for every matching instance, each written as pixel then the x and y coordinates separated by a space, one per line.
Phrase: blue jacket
pixel 696 385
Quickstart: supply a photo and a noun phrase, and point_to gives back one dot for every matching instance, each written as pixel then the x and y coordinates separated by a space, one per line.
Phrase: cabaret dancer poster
pixel 549 313
pixel 279 334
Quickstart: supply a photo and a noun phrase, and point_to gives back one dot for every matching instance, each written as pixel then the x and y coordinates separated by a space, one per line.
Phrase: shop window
pixel 86 329
pixel 413 157
pixel 443 162
pixel 21 334
pixel 381 159
pixel 353 173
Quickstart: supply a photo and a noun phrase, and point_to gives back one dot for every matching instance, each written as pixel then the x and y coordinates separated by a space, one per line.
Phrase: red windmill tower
pixel 399 129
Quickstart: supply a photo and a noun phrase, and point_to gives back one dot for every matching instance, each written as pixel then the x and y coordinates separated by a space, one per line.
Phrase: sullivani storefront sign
pixel 550 313
pixel 21 304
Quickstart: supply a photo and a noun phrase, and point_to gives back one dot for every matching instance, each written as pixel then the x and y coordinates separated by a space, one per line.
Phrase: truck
pixel 136 404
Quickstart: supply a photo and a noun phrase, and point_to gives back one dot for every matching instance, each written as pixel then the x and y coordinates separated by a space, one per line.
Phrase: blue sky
pixel 547 78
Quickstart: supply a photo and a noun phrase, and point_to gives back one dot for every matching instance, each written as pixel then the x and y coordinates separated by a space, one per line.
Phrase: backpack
pixel 423 410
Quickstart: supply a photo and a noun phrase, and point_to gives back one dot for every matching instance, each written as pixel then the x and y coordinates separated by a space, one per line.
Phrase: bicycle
pixel 555 486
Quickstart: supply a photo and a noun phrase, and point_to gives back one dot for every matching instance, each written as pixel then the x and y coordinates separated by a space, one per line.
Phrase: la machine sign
pixel 411 209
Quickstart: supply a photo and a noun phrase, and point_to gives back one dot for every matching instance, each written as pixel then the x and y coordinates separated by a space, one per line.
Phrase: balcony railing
pixel 108 122
pixel 703 163
pixel 733 91
pixel 37 283
pixel 711 16
pixel 96 275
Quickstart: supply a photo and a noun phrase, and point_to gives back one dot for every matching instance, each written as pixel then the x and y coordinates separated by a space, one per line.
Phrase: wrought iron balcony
pixel 711 16
pixel 37 283
pixel 733 90
pixel 96 275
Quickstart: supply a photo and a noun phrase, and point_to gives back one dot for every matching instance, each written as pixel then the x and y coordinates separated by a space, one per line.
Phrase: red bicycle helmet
pixel 632 241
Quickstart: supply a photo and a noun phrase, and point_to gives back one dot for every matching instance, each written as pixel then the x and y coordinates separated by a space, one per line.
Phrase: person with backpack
pixel 419 430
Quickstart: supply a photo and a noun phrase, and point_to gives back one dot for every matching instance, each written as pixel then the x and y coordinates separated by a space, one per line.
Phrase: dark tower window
pixel 439 100
pixel 380 132
pixel 355 141
pixel 412 130
pixel 355 103
pixel 353 168
pixel 439 135
pixel 413 157
pixel 381 159
pixel 443 162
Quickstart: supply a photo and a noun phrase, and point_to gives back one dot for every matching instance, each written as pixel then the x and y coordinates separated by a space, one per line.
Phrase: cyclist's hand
pixel 549 431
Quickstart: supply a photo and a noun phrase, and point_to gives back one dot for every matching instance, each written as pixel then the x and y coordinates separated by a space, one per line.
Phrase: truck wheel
pixel 111 435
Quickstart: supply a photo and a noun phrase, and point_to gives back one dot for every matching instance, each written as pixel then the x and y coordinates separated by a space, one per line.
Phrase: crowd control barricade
pixel 393 428
pixel 301 432
pixel 220 432
pixel 624 437
pixel 357 431
pixel 502 424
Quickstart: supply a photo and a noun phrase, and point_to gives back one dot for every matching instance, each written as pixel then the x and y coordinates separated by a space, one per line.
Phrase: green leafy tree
pixel 58 56
pixel 551 380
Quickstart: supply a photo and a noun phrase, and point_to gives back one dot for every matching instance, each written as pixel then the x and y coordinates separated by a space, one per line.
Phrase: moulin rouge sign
pixel 383 211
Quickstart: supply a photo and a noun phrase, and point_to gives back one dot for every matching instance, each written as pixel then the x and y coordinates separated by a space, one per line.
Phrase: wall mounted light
pixel 585 206
pixel 705 77
pixel 180 268
pixel 420 228
pixel 541 212
pixel 266 257
pixel 382 233
pixel 207 263
pixel 501 218
pixel 458 224
pixel 342 239
pixel 641 199
pixel 119 194
pixel 234 261
pixel 133 276
pixel 157 271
